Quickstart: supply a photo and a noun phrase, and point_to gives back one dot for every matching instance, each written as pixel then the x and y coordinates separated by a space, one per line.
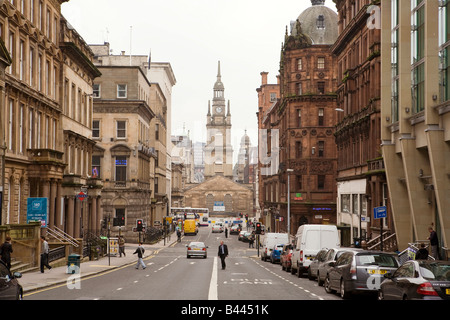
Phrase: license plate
pixel 447 291
pixel 376 271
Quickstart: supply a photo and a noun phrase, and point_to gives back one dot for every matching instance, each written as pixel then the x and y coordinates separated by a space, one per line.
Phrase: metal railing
pixel 61 236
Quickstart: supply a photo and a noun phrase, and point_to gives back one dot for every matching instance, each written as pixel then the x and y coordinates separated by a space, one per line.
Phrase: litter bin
pixel 73 263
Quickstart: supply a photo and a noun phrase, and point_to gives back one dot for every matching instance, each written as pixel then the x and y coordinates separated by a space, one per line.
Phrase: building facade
pixel 46 114
pixel 124 156
pixel 361 179
pixel 303 119
pixel 415 116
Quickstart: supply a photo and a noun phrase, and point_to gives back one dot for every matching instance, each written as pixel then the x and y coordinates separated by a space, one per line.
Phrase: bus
pixel 201 215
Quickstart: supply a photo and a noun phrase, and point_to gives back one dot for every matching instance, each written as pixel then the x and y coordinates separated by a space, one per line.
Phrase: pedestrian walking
pixel 223 253
pixel 251 240
pixel 226 232
pixel 434 243
pixel 5 251
pixel 140 252
pixel 44 255
pixel 122 246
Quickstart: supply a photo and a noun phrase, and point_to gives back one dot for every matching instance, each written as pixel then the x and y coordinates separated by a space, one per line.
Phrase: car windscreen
pixel 376 259
pixel 435 271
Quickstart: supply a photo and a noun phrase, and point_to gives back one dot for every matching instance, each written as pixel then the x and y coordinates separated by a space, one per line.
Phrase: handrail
pixel 61 238
pixel 66 235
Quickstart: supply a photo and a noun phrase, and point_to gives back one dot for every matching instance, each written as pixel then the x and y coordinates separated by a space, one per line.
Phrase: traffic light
pixel 139 225
pixel 258 228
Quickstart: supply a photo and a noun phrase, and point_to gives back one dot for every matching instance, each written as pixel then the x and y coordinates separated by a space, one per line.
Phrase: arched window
pixel 320 22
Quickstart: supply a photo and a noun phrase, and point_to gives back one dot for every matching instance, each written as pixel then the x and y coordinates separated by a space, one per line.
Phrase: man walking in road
pixel 44 255
pixel 140 252
pixel 223 253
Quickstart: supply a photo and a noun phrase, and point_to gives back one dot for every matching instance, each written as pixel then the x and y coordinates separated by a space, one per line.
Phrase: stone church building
pixel 219 193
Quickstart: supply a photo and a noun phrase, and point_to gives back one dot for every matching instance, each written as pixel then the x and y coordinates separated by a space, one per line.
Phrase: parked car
pixel 359 272
pixel 235 229
pixel 10 289
pixel 196 249
pixel 418 279
pixel 275 255
pixel 332 255
pixel 246 236
pixel 241 235
pixel 286 257
pixel 314 266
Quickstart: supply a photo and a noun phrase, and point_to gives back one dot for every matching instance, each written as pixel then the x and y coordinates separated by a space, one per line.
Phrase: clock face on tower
pixel 218 109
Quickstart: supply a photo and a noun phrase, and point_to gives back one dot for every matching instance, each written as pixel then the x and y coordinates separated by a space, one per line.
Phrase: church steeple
pixel 219 87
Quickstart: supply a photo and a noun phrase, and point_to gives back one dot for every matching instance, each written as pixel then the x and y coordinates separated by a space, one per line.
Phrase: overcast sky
pixel 193 35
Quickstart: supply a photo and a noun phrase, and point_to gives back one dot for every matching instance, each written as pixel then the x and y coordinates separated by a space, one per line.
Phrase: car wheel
pixel 344 294
pixel 319 281
pixel 310 277
pixel 327 285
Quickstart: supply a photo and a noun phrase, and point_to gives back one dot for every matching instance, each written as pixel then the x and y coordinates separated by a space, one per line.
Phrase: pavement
pixel 35 280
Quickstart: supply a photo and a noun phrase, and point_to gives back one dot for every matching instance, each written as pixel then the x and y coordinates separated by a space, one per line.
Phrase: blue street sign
pixel 379 212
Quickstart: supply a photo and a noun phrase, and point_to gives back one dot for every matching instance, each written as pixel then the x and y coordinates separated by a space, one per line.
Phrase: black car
pixel 418 279
pixel 10 289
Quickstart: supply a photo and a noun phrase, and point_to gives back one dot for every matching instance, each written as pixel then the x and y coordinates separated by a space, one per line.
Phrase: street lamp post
pixel 289 202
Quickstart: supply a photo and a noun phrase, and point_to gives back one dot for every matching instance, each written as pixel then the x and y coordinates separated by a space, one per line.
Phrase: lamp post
pixel 289 202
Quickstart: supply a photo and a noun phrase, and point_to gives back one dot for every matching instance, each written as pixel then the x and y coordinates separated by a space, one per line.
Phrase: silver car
pixel 198 249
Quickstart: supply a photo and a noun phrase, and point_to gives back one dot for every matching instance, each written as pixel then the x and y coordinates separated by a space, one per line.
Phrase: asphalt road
pixel 170 275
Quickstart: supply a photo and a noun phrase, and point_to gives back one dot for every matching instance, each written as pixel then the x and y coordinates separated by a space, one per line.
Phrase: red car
pixel 286 255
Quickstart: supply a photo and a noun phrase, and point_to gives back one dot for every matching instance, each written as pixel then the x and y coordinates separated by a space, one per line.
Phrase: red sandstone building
pixel 302 123
pixel 361 179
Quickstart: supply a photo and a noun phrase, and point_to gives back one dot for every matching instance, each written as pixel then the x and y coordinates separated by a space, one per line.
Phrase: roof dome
pixel 318 22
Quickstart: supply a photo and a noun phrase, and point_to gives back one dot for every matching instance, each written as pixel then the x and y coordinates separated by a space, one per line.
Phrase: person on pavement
pixel 44 255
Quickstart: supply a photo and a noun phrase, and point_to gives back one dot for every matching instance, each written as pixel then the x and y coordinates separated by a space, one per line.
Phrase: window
pixel 121 168
pixel 157 131
pixel 121 91
pixel 321 146
pixel 320 116
pixel 320 22
pixel 321 63
pixel 11 125
pixel 96 129
pixel 345 203
pixel 298 149
pixel 96 171
pixel 31 66
pixel 121 129
pixel 355 203
pixel 96 91
pixel 299 118
pixel 321 87
pixel 320 182
pixel 273 97
pixel 444 54
pixel 299 64
pixel 299 182
pixel 394 61
pixel 418 53
pixel 298 88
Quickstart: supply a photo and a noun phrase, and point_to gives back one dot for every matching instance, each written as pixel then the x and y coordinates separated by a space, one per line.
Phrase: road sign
pixel 81 196
pixel 379 212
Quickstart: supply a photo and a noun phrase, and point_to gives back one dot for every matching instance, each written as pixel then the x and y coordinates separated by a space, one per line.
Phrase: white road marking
pixel 212 294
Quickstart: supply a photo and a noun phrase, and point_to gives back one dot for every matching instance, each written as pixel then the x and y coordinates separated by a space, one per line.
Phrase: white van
pixel 309 240
pixel 270 240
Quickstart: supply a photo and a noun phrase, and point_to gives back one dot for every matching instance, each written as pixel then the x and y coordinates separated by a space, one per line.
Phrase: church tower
pixel 218 149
